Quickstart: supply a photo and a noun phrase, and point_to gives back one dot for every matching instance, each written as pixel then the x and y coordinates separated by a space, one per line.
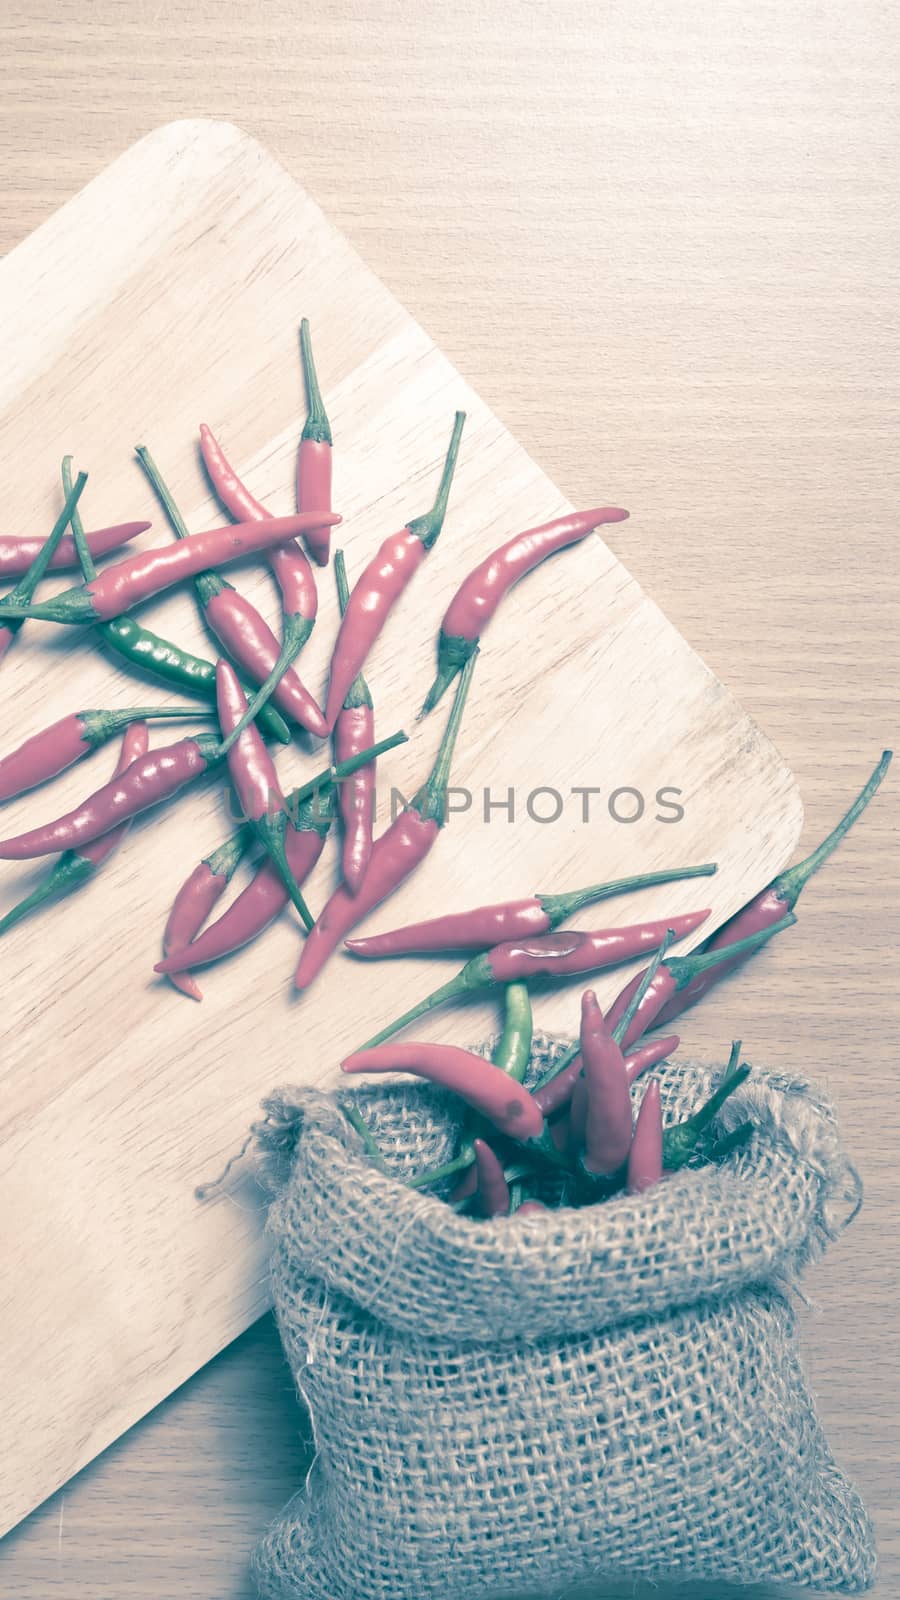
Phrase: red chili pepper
pixel 601 1103
pixel 253 774
pixel 244 632
pixel 488 926
pixel 354 730
pixel 264 898
pixel 551 955
pixel 556 1091
pixel 492 1187
pixel 382 584
pixel 17 555
pixel 645 1166
pixel 194 902
pixel 75 867
pixel 504 1102
pixel 674 974
pixel 314 455
pixel 399 850
pixel 23 593
pixel 54 749
pixel 140 577
pixel 529 1207
pixel 466 1186
pixel 770 904
pixel 478 597
pixel 299 598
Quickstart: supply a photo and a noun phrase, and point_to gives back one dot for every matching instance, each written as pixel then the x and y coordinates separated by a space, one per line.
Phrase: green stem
pixel 224 862
pixel 453 653
pixel 788 885
pixel 560 906
pixel 476 974
pixel 317 426
pixel 358 1121
pixel 270 830
pixel 559 1066
pixel 627 1017
pixel 358 693
pixel 24 590
pixel 423 1180
pixel 69 872
pixel 685 968
pixel 431 799
pixel 206 584
pixel 428 527
pixel 295 632
pixel 341 769
pixel 82 548
pixel 730 1141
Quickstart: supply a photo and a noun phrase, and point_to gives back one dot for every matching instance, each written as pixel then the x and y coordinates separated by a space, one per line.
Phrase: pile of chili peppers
pixel 576 1124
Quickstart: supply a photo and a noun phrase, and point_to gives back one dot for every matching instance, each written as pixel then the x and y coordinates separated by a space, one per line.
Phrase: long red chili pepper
pixel 395 854
pixel 770 905
pixel 492 1187
pixel 195 900
pixel 314 455
pixel 17 555
pixel 75 867
pixel 158 776
pixel 554 1094
pixel 139 577
pixel 54 749
pixel 550 955
pixel 504 1102
pixel 675 973
pixel 487 926
pixel 601 1102
pixel 644 1167
pixel 264 898
pixel 253 774
pixel 299 597
pixel 382 583
pixel 244 632
pixel 23 593
pixel 354 730
pixel 479 595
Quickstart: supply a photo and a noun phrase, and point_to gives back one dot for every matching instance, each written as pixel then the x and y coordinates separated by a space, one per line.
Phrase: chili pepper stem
pixel 431 800
pixel 428 527
pixel 788 885
pixel 474 975
pixel 316 426
pixel 82 549
pixel 731 1081
pixel 730 1142
pixel 460 1163
pixel 295 632
pixel 686 968
pixel 67 874
pixel 357 1120
pixel 559 907
pixel 271 830
pixel 624 1022
pixel 24 590
pixel 455 652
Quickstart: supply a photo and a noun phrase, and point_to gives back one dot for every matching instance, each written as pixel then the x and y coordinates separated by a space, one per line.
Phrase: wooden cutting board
pixel 167 293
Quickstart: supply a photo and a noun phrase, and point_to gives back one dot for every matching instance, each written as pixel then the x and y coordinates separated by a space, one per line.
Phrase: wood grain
pixel 685 219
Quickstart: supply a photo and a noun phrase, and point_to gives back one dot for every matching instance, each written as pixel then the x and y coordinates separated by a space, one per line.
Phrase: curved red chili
pixel 645 1157
pixel 770 904
pixel 504 1102
pixel 17 555
pixel 139 577
pixel 553 1092
pixel 23 593
pixel 253 774
pixel 382 583
pixel 195 900
pixel 674 974
pixel 155 777
pixel 51 751
pixel 491 1185
pixel 76 867
pixel 550 955
pixel 479 595
pixel 354 730
pixel 399 850
pixel 264 898
pixel 487 926
pixel 601 1102
pixel 314 455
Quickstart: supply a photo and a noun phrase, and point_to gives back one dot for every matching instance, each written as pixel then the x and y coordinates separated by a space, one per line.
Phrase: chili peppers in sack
pixel 480 594
pixel 382 583
pixel 395 854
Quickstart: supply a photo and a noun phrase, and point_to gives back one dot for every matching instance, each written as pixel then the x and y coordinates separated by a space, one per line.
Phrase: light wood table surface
pixel 703 198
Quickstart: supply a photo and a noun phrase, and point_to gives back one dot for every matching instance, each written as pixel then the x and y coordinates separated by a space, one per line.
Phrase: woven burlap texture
pixel 514 1406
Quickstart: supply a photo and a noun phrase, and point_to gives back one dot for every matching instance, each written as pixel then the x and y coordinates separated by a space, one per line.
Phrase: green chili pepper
pixel 142 648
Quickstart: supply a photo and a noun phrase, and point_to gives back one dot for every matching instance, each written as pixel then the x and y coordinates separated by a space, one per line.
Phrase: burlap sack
pixel 511 1407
